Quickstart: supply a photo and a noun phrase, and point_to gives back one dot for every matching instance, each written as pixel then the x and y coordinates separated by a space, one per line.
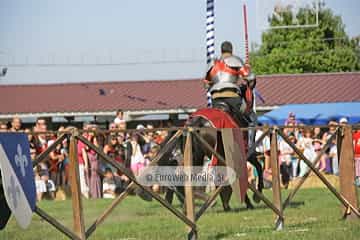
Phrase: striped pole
pixel 210 37
pixel 210 30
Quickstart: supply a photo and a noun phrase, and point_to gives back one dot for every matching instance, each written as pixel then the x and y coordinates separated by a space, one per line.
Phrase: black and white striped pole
pixel 210 37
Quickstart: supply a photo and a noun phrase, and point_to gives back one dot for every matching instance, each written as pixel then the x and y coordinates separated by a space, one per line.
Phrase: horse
pixel 213 138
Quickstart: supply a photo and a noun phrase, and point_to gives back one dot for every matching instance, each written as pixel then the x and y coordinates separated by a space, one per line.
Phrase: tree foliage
pixel 325 48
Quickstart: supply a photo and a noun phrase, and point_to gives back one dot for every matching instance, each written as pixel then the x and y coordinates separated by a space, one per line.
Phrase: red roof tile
pixel 175 94
pixel 309 88
pixel 105 96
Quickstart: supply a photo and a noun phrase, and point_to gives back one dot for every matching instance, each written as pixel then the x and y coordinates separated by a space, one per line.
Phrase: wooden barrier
pixel 341 198
pixel 78 231
pixel 189 196
pixel 78 213
pixel 347 195
pixel 276 179
pixel 347 173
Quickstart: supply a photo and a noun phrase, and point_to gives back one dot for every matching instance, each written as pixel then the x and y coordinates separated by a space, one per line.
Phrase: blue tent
pixel 314 114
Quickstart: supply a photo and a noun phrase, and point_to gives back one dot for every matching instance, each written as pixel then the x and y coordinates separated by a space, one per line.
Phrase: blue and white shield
pixel 17 176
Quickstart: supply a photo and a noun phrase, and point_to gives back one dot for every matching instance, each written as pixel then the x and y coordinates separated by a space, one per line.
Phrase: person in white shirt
pixel 264 148
pixel 333 154
pixel 305 144
pixel 120 120
pixel 109 185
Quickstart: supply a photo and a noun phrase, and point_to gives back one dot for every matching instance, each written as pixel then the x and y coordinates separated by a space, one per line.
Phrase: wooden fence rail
pixel 347 195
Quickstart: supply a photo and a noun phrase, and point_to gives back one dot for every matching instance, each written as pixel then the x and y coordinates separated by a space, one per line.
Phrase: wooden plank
pixel 341 198
pixel 78 214
pixel 235 157
pixel 189 195
pixel 276 179
pixel 347 172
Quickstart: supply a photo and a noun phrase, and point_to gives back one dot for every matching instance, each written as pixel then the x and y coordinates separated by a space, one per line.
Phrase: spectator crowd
pixel 136 149
pixel 310 141
pixel 97 179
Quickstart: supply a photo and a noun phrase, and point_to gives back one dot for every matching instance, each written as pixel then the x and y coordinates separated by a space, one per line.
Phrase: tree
pixel 356 44
pixel 325 48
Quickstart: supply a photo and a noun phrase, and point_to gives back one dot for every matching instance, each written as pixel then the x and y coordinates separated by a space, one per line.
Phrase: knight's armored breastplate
pixel 224 74
pixel 222 81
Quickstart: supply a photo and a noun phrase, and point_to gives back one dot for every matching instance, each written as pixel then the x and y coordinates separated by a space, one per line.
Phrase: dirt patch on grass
pixel 314 182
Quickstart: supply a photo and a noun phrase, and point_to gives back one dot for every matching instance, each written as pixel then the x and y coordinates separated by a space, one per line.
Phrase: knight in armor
pixel 231 83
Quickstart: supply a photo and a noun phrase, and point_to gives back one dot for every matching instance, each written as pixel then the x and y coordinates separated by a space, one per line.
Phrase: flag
pixel 17 177
pixel 234 149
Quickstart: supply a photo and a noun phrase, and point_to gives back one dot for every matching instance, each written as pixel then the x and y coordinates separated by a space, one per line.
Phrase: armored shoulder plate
pixel 233 62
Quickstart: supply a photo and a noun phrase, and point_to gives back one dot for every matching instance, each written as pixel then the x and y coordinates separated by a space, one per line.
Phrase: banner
pixel 17 177
pixel 234 148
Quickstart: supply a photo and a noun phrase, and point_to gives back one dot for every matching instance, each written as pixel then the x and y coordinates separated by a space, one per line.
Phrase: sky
pixel 57 41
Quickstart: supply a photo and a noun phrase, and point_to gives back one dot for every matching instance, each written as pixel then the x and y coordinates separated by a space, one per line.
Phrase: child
pixel 109 185
pixel 39 183
pixel 44 175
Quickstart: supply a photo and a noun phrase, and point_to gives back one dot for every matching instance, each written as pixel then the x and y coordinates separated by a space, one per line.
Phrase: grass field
pixel 314 214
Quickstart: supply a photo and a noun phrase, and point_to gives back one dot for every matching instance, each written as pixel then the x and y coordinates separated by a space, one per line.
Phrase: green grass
pixel 314 214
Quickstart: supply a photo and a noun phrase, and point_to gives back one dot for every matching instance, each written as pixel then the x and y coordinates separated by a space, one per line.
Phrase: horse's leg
pixel 169 195
pixel 285 176
pixel 248 202
pixel 226 193
pixel 253 160
pixel 225 196
pixel 180 194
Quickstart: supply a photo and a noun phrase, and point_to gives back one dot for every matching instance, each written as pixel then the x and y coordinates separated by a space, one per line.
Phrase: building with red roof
pixel 139 98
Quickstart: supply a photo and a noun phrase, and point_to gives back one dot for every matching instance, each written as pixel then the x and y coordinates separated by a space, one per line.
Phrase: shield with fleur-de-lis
pixel 17 177
pixel 13 192
pixel 21 160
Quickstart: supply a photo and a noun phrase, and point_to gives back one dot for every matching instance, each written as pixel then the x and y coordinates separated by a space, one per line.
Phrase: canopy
pixel 314 114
